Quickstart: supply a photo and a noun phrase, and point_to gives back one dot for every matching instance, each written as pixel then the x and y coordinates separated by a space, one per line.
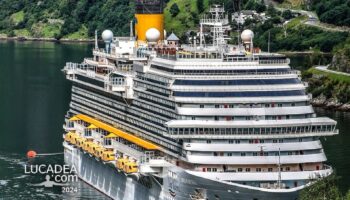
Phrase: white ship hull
pixel 119 186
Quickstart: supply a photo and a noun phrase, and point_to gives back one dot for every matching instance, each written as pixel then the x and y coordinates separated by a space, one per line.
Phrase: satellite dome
pixel 247 35
pixel 152 35
pixel 107 35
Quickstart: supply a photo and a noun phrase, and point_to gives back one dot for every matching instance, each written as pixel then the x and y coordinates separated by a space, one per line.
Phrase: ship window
pixel 258 169
pixel 209 169
pixel 201 106
pixel 239 169
pixel 229 154
pixel 247 169
pixel 214 169
pixel 270 169
pixel 237 141
pixel 287 168
pixel 217 106
pixel 255 154
pixel 243 154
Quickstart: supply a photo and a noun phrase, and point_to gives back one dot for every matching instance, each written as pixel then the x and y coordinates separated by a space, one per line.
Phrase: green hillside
pixel 64 18
pixel 78 19
pixel 187 17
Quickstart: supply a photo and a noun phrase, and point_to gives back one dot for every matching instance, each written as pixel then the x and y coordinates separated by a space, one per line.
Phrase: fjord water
pixel 34 97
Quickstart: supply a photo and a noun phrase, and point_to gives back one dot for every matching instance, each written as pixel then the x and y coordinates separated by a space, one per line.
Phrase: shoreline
pixel 22 39
pixel 303 53
pixel 330 104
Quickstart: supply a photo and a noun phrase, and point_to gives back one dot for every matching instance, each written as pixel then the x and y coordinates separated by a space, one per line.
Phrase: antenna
pixel 96 43
pixel 131 29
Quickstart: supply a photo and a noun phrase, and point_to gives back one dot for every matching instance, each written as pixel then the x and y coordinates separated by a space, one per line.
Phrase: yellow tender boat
pixel 92 147
pixel 80 142
pixel 99 151
pixel 108 156
pixel 68 136
pixel 87 145
pixel 130 167
pixel 121 162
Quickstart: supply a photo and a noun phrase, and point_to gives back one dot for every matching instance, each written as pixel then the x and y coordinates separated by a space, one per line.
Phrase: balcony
pixel 115 84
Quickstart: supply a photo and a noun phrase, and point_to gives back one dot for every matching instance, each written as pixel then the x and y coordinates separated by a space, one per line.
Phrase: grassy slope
pixel 80 34
pixel 294 4
pixel 333 76
pixel 184 20
pixel 17 17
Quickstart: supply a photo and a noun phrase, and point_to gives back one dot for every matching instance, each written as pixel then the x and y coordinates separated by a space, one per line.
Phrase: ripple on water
pixel 3 182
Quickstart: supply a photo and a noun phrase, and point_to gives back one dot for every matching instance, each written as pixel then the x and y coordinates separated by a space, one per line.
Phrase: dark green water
pixel 34 97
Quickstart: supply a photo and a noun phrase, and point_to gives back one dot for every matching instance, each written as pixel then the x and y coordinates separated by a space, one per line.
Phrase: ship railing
pixel 112 54
pixel 235 74
pixel 116 81
pixel 127 150
pixel 91 61
pixel 277 61
pixel 214 21
pixel 254 135
pixel 88 71
pixel 147 159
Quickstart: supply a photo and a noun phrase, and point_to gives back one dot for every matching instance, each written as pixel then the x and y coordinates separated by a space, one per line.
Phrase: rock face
pixel 341 61
pixel 332 104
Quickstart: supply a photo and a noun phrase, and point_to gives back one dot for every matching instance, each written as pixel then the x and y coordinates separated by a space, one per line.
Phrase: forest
pixel 78 19
pixel 65 18
pixel 333 11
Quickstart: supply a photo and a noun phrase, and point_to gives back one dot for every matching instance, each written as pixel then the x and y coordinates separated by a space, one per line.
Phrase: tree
pixel 174 10
pixel 271 11
pixel 200 6
pixel 287 14
pixel 325 188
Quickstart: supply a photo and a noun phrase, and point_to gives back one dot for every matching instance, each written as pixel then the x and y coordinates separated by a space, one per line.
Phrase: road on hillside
pixel 325 69
pixel 312 20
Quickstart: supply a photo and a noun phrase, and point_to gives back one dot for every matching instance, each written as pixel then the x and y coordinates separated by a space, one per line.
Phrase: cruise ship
pixel 150 118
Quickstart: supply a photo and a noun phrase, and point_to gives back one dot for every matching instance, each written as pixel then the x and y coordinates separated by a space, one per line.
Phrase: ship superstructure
pixel 199 121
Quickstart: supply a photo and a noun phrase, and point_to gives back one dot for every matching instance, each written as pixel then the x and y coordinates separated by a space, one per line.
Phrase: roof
pixel 74 118
pixel 92 126
pixel 173 37
pixel 119 133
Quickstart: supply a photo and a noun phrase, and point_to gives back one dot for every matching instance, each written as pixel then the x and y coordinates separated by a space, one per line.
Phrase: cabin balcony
pixel 115 84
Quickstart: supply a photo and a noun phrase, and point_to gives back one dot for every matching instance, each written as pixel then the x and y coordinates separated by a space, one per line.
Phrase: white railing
pixel 228 73
pixel 127 150
pixel 254 136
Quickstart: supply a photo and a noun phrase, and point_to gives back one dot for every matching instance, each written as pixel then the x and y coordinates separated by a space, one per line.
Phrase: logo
pixel 55 175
